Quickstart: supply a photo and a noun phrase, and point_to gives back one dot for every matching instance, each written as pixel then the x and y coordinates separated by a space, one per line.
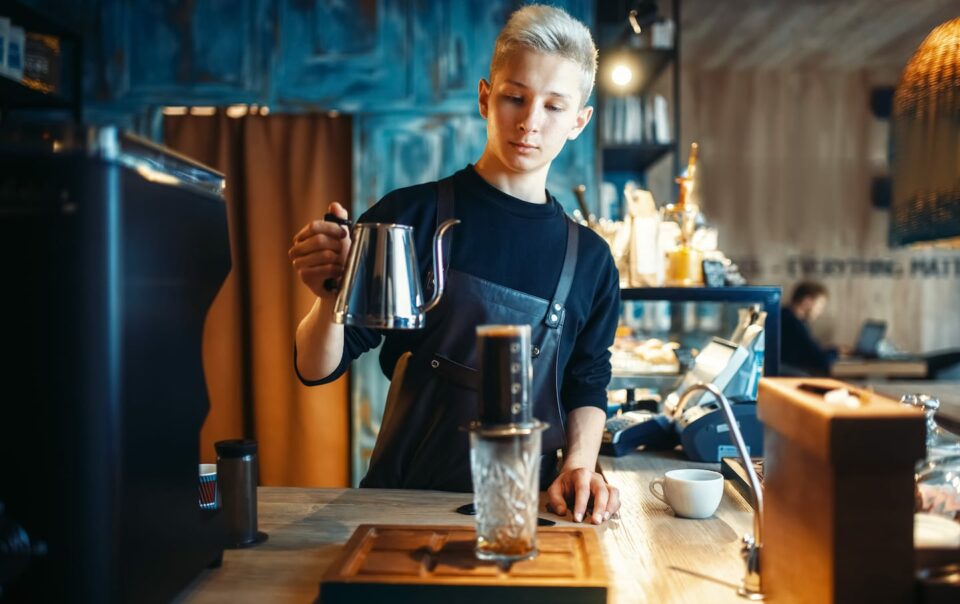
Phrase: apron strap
pixel 554 316
pixel 555 312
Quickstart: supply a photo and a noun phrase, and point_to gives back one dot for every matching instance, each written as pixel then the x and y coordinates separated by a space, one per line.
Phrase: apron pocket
pixel 459 374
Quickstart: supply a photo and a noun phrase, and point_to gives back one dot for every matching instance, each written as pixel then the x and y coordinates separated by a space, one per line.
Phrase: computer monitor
pixel 717 364
pixel 871 334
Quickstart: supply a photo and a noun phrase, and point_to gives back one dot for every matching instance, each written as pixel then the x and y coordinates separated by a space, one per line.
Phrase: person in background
pixel 516 258
pixel 800 353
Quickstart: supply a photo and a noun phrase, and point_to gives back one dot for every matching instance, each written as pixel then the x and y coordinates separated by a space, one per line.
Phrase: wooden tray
pixel 426 564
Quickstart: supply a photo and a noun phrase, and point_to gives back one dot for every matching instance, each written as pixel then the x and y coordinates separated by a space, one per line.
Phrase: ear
pixel 483 96
pixel 583 118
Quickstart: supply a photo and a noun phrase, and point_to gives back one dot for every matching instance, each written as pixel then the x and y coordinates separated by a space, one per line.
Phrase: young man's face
pixel 817 306
pixel 811 307
pixel 532 108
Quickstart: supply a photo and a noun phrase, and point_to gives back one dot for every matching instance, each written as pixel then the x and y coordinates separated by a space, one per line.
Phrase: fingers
pixel 319 227
pixel 316 259
pixel 586 491
pixel 581 490
pixel 555 500
pixel 613 504
pixel 338 210
pixel 316 243
pixel 320 250
pixel 600 497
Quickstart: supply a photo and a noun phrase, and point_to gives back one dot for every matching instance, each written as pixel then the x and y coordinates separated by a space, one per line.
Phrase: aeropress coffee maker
pixel 505 447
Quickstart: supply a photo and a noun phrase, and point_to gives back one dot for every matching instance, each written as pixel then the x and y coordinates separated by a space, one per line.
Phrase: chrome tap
pixel 750 587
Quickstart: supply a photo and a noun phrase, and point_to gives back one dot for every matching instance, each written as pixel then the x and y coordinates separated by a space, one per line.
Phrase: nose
pixel 531 119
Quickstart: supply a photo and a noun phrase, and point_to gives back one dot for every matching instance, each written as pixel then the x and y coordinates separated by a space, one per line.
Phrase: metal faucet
pixel 750 587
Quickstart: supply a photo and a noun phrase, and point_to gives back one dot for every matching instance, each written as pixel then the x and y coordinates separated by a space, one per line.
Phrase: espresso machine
pixel 111 250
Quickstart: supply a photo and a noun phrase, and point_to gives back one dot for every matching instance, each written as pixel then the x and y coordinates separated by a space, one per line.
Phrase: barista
pixel 515 259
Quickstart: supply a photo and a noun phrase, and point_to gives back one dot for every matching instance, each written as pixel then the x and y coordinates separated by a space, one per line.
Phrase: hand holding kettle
pixel 320 251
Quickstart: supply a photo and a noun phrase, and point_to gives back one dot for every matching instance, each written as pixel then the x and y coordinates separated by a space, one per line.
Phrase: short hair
pixel 549 30
pixel 807 289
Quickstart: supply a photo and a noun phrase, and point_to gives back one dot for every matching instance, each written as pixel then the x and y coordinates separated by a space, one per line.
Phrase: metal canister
pixel 237 477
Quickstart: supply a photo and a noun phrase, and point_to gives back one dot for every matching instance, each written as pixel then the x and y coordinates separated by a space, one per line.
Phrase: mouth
pixel 524 147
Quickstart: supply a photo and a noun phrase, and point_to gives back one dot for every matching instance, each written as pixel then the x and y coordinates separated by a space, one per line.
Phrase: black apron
pixel 434 390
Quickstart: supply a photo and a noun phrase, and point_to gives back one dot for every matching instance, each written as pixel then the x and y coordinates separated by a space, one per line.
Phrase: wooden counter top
pixel 650 555
pixel 654 556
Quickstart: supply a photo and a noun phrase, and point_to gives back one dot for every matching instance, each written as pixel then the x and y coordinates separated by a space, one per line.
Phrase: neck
pixel 528 186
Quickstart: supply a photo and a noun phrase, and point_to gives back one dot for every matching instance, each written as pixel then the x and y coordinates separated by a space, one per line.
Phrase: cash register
pixel 700 428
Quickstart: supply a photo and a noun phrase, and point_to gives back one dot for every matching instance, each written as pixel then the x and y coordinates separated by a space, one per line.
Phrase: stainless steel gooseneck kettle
pixel 381 283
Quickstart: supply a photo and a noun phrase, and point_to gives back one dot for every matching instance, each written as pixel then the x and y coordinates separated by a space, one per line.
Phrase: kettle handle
pixel 439 278
pixel 333 285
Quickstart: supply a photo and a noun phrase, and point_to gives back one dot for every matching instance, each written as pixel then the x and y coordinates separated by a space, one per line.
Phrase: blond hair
pixel 552 31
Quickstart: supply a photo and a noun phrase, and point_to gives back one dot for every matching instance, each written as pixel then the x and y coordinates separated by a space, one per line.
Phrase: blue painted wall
pixel 407 68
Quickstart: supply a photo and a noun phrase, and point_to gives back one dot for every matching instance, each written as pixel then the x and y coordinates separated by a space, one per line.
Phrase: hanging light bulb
pixel 621 75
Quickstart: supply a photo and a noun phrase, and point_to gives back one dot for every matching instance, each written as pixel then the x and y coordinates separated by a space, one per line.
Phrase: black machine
pixel 705 434
pixel 623 433
pixel 702 430
pixel 111 252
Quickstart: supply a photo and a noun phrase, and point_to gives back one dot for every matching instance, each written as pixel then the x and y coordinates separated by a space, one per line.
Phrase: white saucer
pixel 930 530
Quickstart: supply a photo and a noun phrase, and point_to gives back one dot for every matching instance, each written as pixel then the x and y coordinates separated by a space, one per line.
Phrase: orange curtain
pixel 281 171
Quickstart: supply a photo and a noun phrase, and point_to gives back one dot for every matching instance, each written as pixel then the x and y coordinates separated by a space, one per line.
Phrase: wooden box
pixel 433 564
pixel 839 494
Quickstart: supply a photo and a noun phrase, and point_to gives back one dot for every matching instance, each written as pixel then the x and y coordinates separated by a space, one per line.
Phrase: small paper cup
pixel 209 499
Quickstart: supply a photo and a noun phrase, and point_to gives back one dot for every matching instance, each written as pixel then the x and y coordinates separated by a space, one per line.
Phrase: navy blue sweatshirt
pixel 519 245
pixel 799 350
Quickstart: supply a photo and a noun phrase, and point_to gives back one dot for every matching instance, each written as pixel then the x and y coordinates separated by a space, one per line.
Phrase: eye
pixel 517 100
pixel 554 108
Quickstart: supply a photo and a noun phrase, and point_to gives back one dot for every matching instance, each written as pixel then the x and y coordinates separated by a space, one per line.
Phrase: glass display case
pixel 663 329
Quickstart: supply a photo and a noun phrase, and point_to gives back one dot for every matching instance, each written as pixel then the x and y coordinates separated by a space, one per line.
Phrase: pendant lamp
pixel 925 144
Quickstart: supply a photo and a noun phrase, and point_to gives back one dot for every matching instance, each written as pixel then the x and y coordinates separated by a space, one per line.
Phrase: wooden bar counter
pixel 651 556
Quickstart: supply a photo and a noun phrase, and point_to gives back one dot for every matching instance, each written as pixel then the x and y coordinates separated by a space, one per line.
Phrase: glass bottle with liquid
pixel 684 261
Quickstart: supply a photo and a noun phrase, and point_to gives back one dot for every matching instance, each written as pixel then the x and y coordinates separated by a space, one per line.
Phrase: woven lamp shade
pixel 925 137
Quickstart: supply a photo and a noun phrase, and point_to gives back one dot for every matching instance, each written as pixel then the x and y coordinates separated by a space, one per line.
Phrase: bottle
pixel 645 260
pixel 684 262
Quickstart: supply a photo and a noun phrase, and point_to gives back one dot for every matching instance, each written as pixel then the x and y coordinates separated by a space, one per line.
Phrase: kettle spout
pixel 439 279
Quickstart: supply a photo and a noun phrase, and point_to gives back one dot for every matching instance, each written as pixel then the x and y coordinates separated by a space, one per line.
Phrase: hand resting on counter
pixel 578 484
pixel 581 486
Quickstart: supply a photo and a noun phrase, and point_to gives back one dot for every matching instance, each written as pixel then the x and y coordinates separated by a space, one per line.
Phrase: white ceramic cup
pixel 691 493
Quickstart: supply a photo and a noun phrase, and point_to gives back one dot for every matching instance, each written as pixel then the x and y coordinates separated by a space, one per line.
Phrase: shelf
pixel 647 66
pixel 654 381
pixel 766 295
pixel 34 20
pixel 633 158
pixel 770 294
pixel 15 95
